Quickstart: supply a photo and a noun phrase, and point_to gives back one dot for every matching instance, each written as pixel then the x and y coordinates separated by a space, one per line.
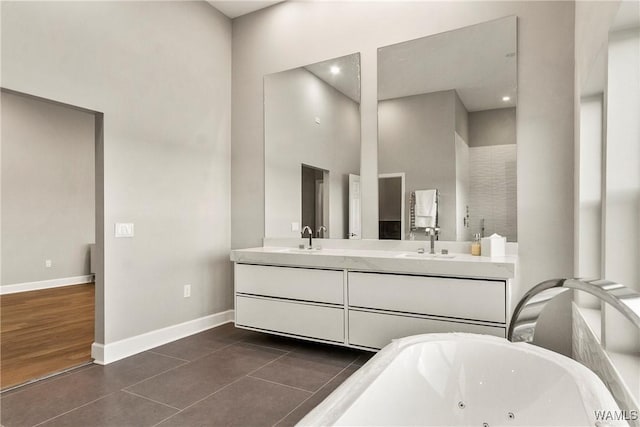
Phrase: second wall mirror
pixel 447 133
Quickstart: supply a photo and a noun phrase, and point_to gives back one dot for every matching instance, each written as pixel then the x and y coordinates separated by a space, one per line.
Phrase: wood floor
pixel 45 331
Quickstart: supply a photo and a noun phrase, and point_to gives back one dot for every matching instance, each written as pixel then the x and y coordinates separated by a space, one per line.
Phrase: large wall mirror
pixel 447 134
pixel 312 149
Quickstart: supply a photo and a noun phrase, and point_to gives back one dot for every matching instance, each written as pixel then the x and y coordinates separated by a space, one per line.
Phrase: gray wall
pixel 416 136
pixel 293 100
pixel 263 45
pixel 462 118
pixel 48 202
pixel 160 72
pixel 492 127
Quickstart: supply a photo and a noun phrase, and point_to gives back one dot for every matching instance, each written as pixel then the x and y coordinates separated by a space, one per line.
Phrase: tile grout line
pixel 153 376
pixel 225 345
pixel 316 392
pixel 266 346
pixel 167 355
pixel 73 409
pixel 284 385
pixel 220 389
pixel 149 399
pixel 268 363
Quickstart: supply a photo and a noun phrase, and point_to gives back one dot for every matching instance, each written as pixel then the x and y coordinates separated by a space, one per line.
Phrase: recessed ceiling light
pixel 506 98
pixel 335 69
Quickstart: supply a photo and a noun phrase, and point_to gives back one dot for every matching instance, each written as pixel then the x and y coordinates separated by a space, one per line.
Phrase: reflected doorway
pixel 391 206
pixel 315 200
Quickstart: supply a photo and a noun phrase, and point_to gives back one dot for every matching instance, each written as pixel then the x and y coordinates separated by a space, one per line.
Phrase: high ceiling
pixel 479 62
pixel 235 8
pixel 346 80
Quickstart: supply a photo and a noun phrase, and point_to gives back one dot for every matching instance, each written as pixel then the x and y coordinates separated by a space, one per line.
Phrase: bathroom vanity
pixel 365 298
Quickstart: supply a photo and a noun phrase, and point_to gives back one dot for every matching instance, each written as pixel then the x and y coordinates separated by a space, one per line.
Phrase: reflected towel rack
pixel 412 211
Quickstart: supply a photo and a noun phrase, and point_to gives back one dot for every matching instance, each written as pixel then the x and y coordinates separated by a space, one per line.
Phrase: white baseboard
pixel 45 284
pixel 105 354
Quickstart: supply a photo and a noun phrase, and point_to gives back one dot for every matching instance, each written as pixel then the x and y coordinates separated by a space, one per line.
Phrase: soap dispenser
pixel 475 245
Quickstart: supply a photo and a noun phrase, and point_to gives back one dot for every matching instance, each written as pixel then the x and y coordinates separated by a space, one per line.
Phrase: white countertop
pixel 460 265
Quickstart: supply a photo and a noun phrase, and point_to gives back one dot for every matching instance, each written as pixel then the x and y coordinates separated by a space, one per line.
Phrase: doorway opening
pixel 391 221
pixel 52 287
pixel 315 200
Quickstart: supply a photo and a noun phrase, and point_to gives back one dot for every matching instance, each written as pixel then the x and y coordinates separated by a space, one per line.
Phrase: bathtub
pixel 465 380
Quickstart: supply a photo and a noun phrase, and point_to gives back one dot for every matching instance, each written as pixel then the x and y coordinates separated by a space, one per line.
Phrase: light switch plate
pixel 124 229
pixel 295 226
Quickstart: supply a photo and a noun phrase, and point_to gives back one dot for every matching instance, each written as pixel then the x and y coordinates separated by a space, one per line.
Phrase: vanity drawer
pixel 375 330
pixel 313 321
pixel 293 283
pixel 437 296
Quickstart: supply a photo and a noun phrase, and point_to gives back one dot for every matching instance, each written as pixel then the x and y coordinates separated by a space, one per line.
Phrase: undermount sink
pixel 425 255
pixel 324 251
pixel 298 250
pixel 303 251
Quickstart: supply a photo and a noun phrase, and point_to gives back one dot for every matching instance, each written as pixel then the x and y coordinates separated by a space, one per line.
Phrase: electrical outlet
pixel 295 226
pixel 187 291
pixel 48 263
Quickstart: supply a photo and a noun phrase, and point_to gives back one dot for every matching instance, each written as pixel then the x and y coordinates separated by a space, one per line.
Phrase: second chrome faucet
pixel 432 232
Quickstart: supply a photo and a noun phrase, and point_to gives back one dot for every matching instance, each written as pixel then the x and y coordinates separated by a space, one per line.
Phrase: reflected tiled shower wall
pixel 493 190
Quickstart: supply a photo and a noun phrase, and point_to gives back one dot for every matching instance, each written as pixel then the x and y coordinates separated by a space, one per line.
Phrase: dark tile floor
pixel 221 377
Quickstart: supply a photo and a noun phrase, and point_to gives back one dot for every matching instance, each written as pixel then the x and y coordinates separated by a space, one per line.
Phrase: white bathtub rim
pixel 329 411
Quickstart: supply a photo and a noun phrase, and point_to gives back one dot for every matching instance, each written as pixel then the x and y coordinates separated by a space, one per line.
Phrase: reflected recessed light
pixel 335 69
pixel 506 98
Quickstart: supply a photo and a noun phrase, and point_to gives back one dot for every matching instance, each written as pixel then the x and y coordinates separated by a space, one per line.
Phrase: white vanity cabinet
pixel 385 306
pixel 375 329
pixel 296 301
pixel 471 299
pixel 332 298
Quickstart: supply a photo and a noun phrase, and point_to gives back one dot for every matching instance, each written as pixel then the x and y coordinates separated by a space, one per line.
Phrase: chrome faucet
pixel 322 230
pixel 308 229
pixel 432 232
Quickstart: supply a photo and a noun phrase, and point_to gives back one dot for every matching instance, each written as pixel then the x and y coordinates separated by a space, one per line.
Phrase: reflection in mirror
pixel 390 206
pixel 315 200
pixel 312 146
pixel 447 121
